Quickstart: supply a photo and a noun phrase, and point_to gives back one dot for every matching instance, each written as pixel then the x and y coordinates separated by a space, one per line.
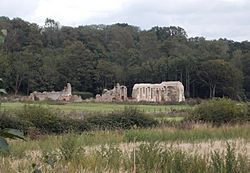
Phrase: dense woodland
pixel 94 57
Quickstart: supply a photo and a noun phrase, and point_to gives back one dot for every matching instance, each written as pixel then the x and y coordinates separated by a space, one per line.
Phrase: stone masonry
pixel 64 95
pixel 172 91
pixel 118 93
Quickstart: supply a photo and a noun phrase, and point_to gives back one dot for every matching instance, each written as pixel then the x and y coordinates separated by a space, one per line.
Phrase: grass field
pixel 99 107
pixel 200 149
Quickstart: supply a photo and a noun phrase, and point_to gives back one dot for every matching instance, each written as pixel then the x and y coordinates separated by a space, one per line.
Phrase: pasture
pixel 98 107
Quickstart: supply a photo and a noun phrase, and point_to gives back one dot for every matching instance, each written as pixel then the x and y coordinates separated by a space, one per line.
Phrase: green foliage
pixel 68 146
pixel 3 34
pixel 41 117
pixel 49 121
pixel 146 158
pixel 38 117
pixel 189 135
pixel 34 58
pixel 219 111
pixel 2 91
pixel 82 153
pixel 4 132
pixel 84 95
pixel 229 162
pixel 128 118
pixel 11 134
pixel 221 78
pixel 110 156
pixel 8 120
pixel 103 108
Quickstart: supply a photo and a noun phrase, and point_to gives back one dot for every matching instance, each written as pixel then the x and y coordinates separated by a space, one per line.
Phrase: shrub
pixel 126 119
pixel 41 117
pixel 84 95
pixel 36 119
pixel 8 120
pixel 48 121
pixel 220 110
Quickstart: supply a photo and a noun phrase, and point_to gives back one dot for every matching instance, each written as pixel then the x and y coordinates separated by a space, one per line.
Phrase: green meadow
pixel 98 107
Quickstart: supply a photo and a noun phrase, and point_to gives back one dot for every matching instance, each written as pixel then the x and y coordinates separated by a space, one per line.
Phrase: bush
pixel 84 95
pixel 8 120
pixel 220 110
pixel 126 119
pixel 48 121
pixel 41 117
pixel 36 119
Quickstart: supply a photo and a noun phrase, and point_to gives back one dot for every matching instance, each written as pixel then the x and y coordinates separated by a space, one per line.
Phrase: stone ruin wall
pixel 64 95
pixel 118 93
pixel 172 91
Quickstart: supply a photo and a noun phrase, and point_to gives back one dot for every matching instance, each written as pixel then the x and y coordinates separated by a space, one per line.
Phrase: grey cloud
pixel 212 19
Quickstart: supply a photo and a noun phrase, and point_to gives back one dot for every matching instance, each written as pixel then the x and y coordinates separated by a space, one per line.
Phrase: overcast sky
pixel 211 19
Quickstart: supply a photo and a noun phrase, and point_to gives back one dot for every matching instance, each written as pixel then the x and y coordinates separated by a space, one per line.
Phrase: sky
pixel 212 19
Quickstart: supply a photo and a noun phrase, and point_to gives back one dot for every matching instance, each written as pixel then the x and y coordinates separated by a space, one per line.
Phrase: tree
pixel 96 56
pixel 2 91
pixel 246 72
pixel 107 74
pixel 17 70
pixel 221 78
pixel 77 66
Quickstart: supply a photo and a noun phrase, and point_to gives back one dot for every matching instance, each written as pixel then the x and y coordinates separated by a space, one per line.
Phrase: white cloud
pixel 75 11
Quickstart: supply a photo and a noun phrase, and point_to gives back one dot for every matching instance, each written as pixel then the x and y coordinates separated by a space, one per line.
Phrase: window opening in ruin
pixel 157 95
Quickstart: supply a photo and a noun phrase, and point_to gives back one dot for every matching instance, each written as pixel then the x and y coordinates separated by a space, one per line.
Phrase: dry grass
pixel 111 151
pixel 24 164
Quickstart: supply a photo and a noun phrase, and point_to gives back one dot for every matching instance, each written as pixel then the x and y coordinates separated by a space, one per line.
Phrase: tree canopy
pixel 95 57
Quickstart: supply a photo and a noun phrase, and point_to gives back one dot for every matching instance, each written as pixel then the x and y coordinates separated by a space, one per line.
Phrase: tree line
pixel 94 57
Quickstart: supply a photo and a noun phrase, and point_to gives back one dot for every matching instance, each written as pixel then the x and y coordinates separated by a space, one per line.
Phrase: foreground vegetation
pixel 211 137
pixel 193 134
pixel 113 151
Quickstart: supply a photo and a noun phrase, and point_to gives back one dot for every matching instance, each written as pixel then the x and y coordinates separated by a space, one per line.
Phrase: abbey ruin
pixel 118 93
pixel 172 91
pixel 64 95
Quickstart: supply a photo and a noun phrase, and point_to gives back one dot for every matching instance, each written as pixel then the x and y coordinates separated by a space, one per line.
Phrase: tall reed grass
pixel 146 158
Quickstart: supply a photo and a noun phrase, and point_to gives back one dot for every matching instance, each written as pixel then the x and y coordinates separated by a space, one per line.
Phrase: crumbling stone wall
pixel 172 91
pixel 118 93
pixel 64 95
